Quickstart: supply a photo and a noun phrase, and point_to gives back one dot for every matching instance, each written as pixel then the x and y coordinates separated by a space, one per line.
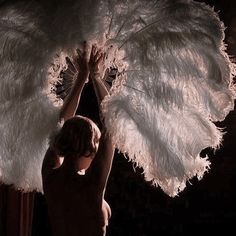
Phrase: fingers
pixel 97 55
pixel 101 57
pixel 93 50
pixel 94 54
pixel 83 52
pixel 96 62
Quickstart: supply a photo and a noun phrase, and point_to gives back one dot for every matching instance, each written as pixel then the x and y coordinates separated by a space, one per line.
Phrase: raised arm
pixel 97 71
pixel 80 64
pixel 103 160
pixel 72 100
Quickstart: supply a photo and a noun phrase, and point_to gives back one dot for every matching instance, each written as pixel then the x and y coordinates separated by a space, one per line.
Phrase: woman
pixel 75 188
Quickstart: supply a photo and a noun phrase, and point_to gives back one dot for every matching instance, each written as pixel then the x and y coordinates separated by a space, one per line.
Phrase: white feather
pixel 175 80
pixel 179 81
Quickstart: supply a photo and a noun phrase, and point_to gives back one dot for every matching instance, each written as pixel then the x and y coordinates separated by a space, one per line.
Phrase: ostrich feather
pixel 174 80
pixel 178 82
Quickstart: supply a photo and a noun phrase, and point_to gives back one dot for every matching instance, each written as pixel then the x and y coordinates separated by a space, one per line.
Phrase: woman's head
pixel 78 136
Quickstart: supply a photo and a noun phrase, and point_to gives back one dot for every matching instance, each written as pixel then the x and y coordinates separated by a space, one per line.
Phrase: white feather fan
pixel 174 81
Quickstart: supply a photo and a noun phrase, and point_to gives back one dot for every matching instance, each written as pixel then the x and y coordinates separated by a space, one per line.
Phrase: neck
pixel 69 162
pixel 77 164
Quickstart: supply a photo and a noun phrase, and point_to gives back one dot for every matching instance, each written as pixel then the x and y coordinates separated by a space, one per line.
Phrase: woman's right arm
pixel 71 102
pixel 51 161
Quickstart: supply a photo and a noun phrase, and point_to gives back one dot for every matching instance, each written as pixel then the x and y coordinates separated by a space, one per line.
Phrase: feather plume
pixel 179 81
pixel 174 81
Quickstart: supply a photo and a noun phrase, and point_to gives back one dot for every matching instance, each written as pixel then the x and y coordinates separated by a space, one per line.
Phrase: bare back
pixel 76 202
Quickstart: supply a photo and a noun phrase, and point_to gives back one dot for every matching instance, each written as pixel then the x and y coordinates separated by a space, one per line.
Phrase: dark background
pixel 138 209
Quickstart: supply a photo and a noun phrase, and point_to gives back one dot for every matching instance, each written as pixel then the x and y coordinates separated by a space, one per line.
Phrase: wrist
pixel 95 75
pixel 81 76
pixel 97 80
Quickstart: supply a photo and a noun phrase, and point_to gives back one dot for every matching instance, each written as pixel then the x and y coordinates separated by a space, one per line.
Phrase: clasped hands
pixel 89 62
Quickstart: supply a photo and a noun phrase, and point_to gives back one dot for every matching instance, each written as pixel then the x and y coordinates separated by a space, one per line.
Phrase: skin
pixel 75 189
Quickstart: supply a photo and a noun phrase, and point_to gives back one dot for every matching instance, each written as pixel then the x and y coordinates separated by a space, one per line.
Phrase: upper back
pixel 74 204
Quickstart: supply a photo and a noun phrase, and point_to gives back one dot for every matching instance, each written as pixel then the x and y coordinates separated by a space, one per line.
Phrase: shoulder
pixel 51 161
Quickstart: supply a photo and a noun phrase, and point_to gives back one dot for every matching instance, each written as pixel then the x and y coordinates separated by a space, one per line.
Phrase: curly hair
pixel 77 136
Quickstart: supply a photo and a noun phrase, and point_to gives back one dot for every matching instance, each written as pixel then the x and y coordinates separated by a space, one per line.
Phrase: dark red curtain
pixel 16 211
